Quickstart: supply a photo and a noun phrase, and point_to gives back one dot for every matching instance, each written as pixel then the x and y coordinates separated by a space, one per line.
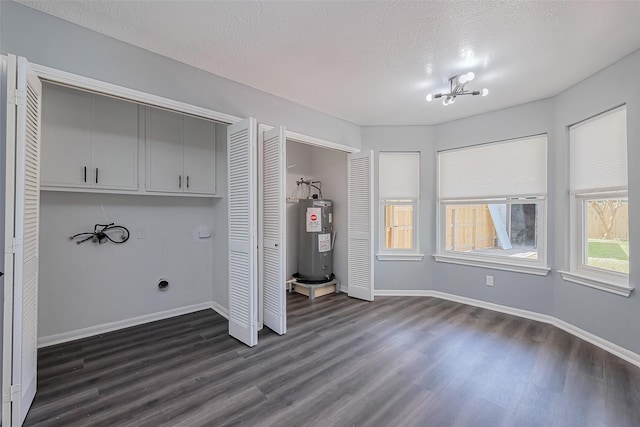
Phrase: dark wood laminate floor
pixel 399 361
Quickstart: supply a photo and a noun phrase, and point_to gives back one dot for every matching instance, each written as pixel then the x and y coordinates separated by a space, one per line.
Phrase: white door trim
pixel 323 143
pixel 9 72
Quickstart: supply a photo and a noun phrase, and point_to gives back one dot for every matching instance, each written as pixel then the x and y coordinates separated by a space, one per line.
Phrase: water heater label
pixel 314 220
pixel 324 242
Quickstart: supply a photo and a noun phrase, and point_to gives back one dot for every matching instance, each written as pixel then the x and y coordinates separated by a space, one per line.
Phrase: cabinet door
pixel 66 137
pixel 164 151
pixel 199 155
pixel 114 144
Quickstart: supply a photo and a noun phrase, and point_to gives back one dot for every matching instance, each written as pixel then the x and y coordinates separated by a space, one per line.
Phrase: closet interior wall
pixel 329 166
pixel 88 287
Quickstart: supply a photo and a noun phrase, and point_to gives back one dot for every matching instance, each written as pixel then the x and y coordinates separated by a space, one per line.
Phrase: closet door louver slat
pixel 272 241
pixel 360 213
pixel 243 291
pixel 22 200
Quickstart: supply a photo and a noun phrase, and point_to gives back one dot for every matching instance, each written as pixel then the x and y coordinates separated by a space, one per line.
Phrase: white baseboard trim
pixel 121 324
pixel 608 346
pixel 224 312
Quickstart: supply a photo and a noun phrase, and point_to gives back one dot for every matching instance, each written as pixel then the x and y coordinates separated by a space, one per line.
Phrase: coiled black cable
pixel 101 232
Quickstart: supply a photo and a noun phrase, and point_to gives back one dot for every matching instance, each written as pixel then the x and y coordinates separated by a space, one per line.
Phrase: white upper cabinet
pixel 114 144
pixel 66 137
pixel 199 155
pixel 97 143
pixel 164 151
pixel 88 140
pixel 180 153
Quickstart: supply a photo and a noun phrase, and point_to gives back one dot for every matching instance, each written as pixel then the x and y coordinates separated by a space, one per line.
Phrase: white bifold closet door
pixel 360 233
pixel 271 158
pixel 22 206
pixel 242 229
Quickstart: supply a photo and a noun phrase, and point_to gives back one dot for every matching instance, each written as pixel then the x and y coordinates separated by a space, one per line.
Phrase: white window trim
pixel 580 273
pixel 385 254
pixel 400 257
pixel 537 267
pixel 413 254
pixel 494 264
pixel 592 281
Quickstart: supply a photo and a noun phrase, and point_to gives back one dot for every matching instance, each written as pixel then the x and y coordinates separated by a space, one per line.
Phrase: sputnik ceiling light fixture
pixel 456 88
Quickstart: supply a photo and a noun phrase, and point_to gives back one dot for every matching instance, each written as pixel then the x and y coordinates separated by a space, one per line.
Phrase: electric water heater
pixel 315 240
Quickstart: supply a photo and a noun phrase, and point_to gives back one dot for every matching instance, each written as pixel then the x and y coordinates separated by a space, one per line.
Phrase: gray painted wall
pixel 220 223
pixel 518 290
pixel 46 40
pixel 330 167
pixel 299 165
pixel 87 285
pixel 407 274
pixel 49 41
pixel 609 316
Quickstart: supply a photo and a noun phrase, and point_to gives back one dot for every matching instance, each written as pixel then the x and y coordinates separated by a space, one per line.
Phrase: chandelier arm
pixel 452 94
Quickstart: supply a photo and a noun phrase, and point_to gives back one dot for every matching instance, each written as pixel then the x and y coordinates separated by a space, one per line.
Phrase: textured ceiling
pixel 374 62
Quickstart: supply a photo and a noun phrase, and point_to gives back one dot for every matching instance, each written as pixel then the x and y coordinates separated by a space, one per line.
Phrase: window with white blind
pixel 492 200
pixel 399 192
pixel 599 244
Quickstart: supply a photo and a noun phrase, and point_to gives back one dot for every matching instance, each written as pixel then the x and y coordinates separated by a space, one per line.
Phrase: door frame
pixel 307 140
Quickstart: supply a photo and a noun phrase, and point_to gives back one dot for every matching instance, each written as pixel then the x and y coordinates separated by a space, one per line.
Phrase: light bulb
pixel 430 97
pixel 445 101
pixel 485 92
pixel 453 99
pixel 466 78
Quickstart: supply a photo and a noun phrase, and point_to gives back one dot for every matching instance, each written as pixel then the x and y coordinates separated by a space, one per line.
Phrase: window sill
pixel 494 264
pixel 597 283
pixel 399 257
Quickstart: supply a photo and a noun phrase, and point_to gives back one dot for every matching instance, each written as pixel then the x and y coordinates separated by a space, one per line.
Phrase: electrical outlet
pixel 142 233
pixel 489 281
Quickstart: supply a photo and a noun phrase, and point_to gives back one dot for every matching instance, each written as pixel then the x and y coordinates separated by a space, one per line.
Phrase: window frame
pixel 391 254
pixel 578 272
pixel 383 250
pixel 539 266
pixel 536 266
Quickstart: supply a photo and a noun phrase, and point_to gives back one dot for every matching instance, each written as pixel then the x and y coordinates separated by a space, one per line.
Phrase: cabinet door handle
pixel 187 181
pixel 96 175
pixel 179 181
pixel 85 174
